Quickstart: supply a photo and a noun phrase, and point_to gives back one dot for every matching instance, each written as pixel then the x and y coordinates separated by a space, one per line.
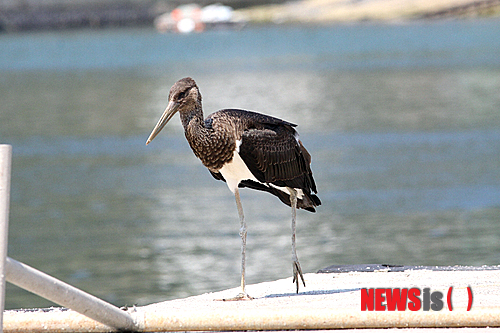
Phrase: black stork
pixel 246 149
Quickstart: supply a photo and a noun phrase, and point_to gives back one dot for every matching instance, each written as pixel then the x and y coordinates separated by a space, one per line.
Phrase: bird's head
pixel 184 96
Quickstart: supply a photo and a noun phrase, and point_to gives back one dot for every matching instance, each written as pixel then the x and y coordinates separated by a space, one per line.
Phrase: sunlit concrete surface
pixel 329 301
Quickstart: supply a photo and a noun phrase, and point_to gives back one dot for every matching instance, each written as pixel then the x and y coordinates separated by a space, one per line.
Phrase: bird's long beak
pixel 165 117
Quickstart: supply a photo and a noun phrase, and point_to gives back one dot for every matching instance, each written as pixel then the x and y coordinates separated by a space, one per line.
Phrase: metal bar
pixel 42 284
pixel 68 296
pixel 5 165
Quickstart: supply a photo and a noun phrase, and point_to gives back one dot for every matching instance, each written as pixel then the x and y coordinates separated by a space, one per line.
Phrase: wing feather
pixel 273 155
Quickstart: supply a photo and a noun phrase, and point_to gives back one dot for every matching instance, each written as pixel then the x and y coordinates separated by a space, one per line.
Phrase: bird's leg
pixel 243 233
pixel 297 271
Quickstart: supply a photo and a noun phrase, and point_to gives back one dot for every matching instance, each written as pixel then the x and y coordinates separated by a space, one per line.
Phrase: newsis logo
pixel 413 299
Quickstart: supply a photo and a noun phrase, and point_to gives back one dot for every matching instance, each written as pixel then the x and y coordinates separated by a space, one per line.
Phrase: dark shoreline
pixel 96 15
pixel 57 17
pixel 123 13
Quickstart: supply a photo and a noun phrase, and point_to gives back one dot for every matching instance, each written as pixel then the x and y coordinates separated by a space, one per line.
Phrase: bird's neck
pixel 213 144
pixel 195 113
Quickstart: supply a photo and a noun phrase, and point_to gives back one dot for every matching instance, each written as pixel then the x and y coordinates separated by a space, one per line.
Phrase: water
pixel 402 121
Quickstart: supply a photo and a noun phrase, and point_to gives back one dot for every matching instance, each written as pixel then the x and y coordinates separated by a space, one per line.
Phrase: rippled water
pixel 402 121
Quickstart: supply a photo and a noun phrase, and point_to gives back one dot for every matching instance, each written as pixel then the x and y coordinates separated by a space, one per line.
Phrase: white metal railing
pixel 42 284
pixel 5 164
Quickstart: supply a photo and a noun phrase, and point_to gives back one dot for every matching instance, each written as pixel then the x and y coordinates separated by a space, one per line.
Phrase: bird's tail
pixel 308 202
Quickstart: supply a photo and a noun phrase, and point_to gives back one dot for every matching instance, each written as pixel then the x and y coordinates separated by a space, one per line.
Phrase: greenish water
pixel 402 121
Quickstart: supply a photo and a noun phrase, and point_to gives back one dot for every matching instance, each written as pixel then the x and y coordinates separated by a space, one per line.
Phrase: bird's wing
pixel 247 118
pixel 217 175
pixel 274 155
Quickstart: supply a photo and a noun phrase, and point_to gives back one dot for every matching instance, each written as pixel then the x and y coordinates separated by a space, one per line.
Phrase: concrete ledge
pixel 330 301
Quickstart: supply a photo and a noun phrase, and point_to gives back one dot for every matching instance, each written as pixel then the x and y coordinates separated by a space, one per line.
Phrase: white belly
pixel 236 171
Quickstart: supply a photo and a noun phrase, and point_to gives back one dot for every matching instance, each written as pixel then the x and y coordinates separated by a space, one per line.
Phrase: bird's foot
pixel 239 297
pixel 297 271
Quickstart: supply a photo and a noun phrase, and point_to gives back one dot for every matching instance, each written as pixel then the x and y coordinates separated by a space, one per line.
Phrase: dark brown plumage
pixel 246 149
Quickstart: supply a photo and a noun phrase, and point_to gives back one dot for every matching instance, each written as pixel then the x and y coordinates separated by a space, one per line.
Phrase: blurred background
pixel 398 103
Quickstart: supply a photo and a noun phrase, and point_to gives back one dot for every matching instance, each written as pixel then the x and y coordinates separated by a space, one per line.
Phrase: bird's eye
pixel 182 94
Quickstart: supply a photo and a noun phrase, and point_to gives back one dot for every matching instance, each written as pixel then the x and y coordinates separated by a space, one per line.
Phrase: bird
pixel 246 149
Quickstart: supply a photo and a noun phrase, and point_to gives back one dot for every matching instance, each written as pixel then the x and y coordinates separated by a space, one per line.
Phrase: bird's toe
pixel 297 272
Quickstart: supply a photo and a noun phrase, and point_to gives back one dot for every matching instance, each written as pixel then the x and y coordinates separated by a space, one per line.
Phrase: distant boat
pixel 193 18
